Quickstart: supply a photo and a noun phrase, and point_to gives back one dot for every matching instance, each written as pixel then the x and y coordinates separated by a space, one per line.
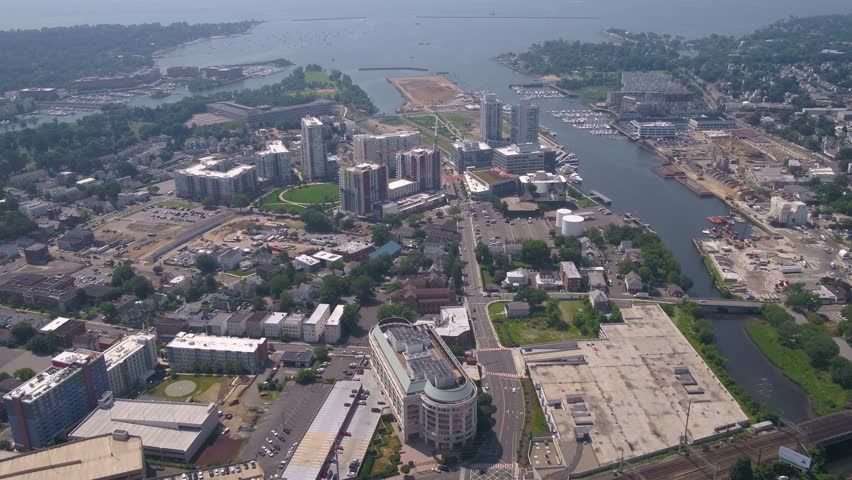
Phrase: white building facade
pixel 314 159
pixel 130 362
pixel 314 326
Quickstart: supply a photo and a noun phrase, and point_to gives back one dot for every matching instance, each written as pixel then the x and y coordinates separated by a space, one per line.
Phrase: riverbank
pixel 825 396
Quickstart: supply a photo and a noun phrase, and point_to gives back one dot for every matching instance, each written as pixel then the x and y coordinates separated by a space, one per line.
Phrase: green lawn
pixel 176 204
pixel 202 384
pixel 317 77
pixel 535 329
pixel 596 93
pixel 392 120
pixel 460 122
pixel 428 122
pixel 826 396
pixel 319 193
pixel 487 176
pixel 271 202
pixel 388 444
pixel 535 415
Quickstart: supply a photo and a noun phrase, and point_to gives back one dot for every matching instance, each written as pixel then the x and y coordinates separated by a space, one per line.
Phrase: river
pixel 393 35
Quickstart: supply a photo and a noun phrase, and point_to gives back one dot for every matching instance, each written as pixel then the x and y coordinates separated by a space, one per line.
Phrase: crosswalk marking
pixel 493 466
pixel 490 349
pixel 504 375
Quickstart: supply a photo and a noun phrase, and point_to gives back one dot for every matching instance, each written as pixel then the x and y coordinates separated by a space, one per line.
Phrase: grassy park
pixel 207 387
pixel 536 328
pixel 313 194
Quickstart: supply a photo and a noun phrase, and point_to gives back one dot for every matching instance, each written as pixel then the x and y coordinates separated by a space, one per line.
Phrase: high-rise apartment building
pixel 217 179
pixel 362 186
pixel 314 159
pixel 130 361
pixel 524 122
pixel 382 149
pixel 273 163
pixel 421 165
pixel 491 120
pixel 45 407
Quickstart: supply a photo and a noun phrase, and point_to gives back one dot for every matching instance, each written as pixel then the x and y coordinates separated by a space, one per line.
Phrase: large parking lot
pixel 291 412
pixel 490 226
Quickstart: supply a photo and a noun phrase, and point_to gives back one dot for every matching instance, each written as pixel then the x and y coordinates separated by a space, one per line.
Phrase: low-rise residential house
pixel 76 240
pixel 517 278
pixel 599 300
pixel 596 280
pixel 547 281
pixel 570 275
pixel 517 310
pixel 633 282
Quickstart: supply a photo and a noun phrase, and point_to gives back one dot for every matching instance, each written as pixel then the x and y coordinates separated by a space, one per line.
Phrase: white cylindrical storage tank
pixel 560 214
pixel 572 226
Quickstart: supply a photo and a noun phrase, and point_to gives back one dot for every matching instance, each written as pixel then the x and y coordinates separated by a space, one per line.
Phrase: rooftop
pixel 275 146
pixel 401 183
pixel 307 463
pixel 208 167
pixel 275 318
pixel 307 260
pixel 453 322
pixel 493 176
pixel 94 458
pixel 54 324
pixel 422 362
pixel 193 341
pixel 161 425
pixel 64 366
pixel 126 346
pixel 353 247
pixel 311 122
pixel 401 133
pixel 321 311
pixel 327 256
pixel 336 316
pixel 631 390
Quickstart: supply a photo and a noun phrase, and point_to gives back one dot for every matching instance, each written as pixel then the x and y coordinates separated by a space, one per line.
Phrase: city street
pixel 506 392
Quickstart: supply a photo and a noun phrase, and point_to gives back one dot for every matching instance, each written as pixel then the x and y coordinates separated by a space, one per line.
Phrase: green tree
pixel 108 309
pixel 43 344
pixel 208 202
pixel 741 470
pixel 305 376
pixel 841 372
pixel 206 264
pixel 24 374
pixel 533 296
pixel 321 353
pixel 22 332
pixel 820 348
pixel 153 189
pixel 351 316
pixel 803 300
pixel 362 287
pixel 332 288
pixel 381 234
pixel 240 201
pixel 158 270
pixel 141 287
pixel 285 302
pixel 536 253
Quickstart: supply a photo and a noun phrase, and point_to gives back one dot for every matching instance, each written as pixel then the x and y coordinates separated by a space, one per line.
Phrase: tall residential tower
pixel 524 121
pixel 314 159
pixel 361 186
pixel 491 120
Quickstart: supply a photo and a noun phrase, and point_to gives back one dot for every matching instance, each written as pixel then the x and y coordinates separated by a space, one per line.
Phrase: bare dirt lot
pixel 427 90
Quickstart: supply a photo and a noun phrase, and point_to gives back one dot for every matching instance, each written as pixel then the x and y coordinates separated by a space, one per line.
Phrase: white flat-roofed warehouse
pixel 169 430
pixel 115 456
pixel 628 394
pixel 190 352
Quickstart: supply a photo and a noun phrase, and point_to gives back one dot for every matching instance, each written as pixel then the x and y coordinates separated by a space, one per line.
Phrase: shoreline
pixel 161 53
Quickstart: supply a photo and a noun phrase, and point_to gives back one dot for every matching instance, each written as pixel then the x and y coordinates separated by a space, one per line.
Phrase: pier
pixel 600 197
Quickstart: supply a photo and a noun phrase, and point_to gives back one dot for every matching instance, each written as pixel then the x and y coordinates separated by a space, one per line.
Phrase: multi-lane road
pixel 494 360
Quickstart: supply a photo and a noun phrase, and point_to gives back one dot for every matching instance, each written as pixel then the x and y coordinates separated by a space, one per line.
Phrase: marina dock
pixel 600 197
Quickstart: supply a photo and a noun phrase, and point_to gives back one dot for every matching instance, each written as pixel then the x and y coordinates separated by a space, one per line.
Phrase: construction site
pixel 427 91
pixel 633 393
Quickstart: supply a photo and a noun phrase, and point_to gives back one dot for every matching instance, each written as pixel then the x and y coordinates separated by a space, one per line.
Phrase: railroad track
pixel 760 448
